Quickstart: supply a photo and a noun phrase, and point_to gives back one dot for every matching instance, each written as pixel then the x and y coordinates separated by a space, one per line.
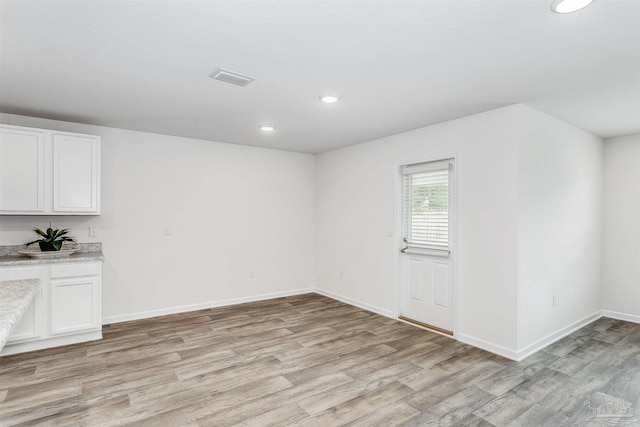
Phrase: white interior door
pixel 426 256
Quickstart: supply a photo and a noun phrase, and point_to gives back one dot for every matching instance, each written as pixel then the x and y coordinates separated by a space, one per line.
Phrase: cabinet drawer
pixel 75 270
pixel 20 273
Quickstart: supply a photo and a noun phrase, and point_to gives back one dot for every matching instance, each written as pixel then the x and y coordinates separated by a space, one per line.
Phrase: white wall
pixel 529 223
pixel 357 197
pixel 559 229
pixel 621 291
pixel 232 210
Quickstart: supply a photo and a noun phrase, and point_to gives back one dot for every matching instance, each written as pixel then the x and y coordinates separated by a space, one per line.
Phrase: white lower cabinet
pixel 75 298
pixel 66 310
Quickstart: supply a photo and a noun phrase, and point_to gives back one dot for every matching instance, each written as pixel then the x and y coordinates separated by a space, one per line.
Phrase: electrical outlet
pixel 555 300
pixel 167 231
pixel 92 231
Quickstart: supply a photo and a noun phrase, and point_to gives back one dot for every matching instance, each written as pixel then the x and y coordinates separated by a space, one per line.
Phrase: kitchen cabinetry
pixel 21 170
pixel 44 172
pixel 75 298
pixel 66 310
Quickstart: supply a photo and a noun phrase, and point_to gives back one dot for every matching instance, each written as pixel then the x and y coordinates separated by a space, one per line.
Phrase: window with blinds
pixel 426 204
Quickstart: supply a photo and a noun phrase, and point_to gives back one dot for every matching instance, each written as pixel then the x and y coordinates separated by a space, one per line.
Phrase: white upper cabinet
pixel 22 170
pixel 45 172
pixel 76 169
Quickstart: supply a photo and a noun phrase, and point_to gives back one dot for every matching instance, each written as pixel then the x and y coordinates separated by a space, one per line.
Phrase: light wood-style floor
pixel 312 361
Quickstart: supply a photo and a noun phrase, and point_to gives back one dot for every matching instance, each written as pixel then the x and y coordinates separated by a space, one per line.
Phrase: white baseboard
pixel 378 310
pixel 621 316
pixel 40 344
pixel 467 339
pixel 559 334
pixel 516 355
pixel 489 346
pixel 201 306
pixel 519 355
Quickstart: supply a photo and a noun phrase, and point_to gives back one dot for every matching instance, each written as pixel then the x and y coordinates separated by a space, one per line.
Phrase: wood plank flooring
pixel 312 361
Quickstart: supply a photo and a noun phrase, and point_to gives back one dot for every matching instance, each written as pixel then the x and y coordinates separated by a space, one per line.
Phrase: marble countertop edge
pixel 11 260
pixel 87 252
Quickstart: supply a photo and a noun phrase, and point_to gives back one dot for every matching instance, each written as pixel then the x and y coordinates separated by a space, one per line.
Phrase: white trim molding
pixel 193 307
pixel 558 335
pixel 51 342
pixel 488 346
pixel 621 316
pixel 378 310
pixel 519 355
pixel 509 353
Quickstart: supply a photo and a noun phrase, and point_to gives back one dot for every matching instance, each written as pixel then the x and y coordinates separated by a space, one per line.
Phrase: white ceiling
pixel 397 65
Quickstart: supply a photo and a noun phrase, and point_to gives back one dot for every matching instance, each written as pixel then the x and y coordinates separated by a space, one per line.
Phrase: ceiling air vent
pixel 232 77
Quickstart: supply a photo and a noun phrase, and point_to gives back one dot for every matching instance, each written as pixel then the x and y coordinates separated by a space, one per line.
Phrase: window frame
pixel 407 171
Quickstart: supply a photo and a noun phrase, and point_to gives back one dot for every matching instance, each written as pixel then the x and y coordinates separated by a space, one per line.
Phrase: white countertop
pixel 15 297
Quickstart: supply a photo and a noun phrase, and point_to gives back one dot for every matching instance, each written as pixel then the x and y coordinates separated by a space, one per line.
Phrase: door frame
pixel 453 232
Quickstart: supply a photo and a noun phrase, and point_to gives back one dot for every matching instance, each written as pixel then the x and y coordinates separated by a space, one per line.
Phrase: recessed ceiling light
pixel 329 99
pixel 568 6
pixel 266 128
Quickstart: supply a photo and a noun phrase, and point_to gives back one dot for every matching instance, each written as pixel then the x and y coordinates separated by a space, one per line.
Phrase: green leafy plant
pixel 52 238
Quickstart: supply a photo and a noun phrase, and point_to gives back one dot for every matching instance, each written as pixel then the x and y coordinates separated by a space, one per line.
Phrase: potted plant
pixel 52 239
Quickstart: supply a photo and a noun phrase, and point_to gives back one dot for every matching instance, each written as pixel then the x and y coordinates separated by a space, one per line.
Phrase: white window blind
pixel 426 204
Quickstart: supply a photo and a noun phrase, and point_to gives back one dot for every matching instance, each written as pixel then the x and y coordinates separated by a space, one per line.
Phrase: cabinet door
pixel 22 180
pixel 76 173
pixel 30 325
pixel 75 305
